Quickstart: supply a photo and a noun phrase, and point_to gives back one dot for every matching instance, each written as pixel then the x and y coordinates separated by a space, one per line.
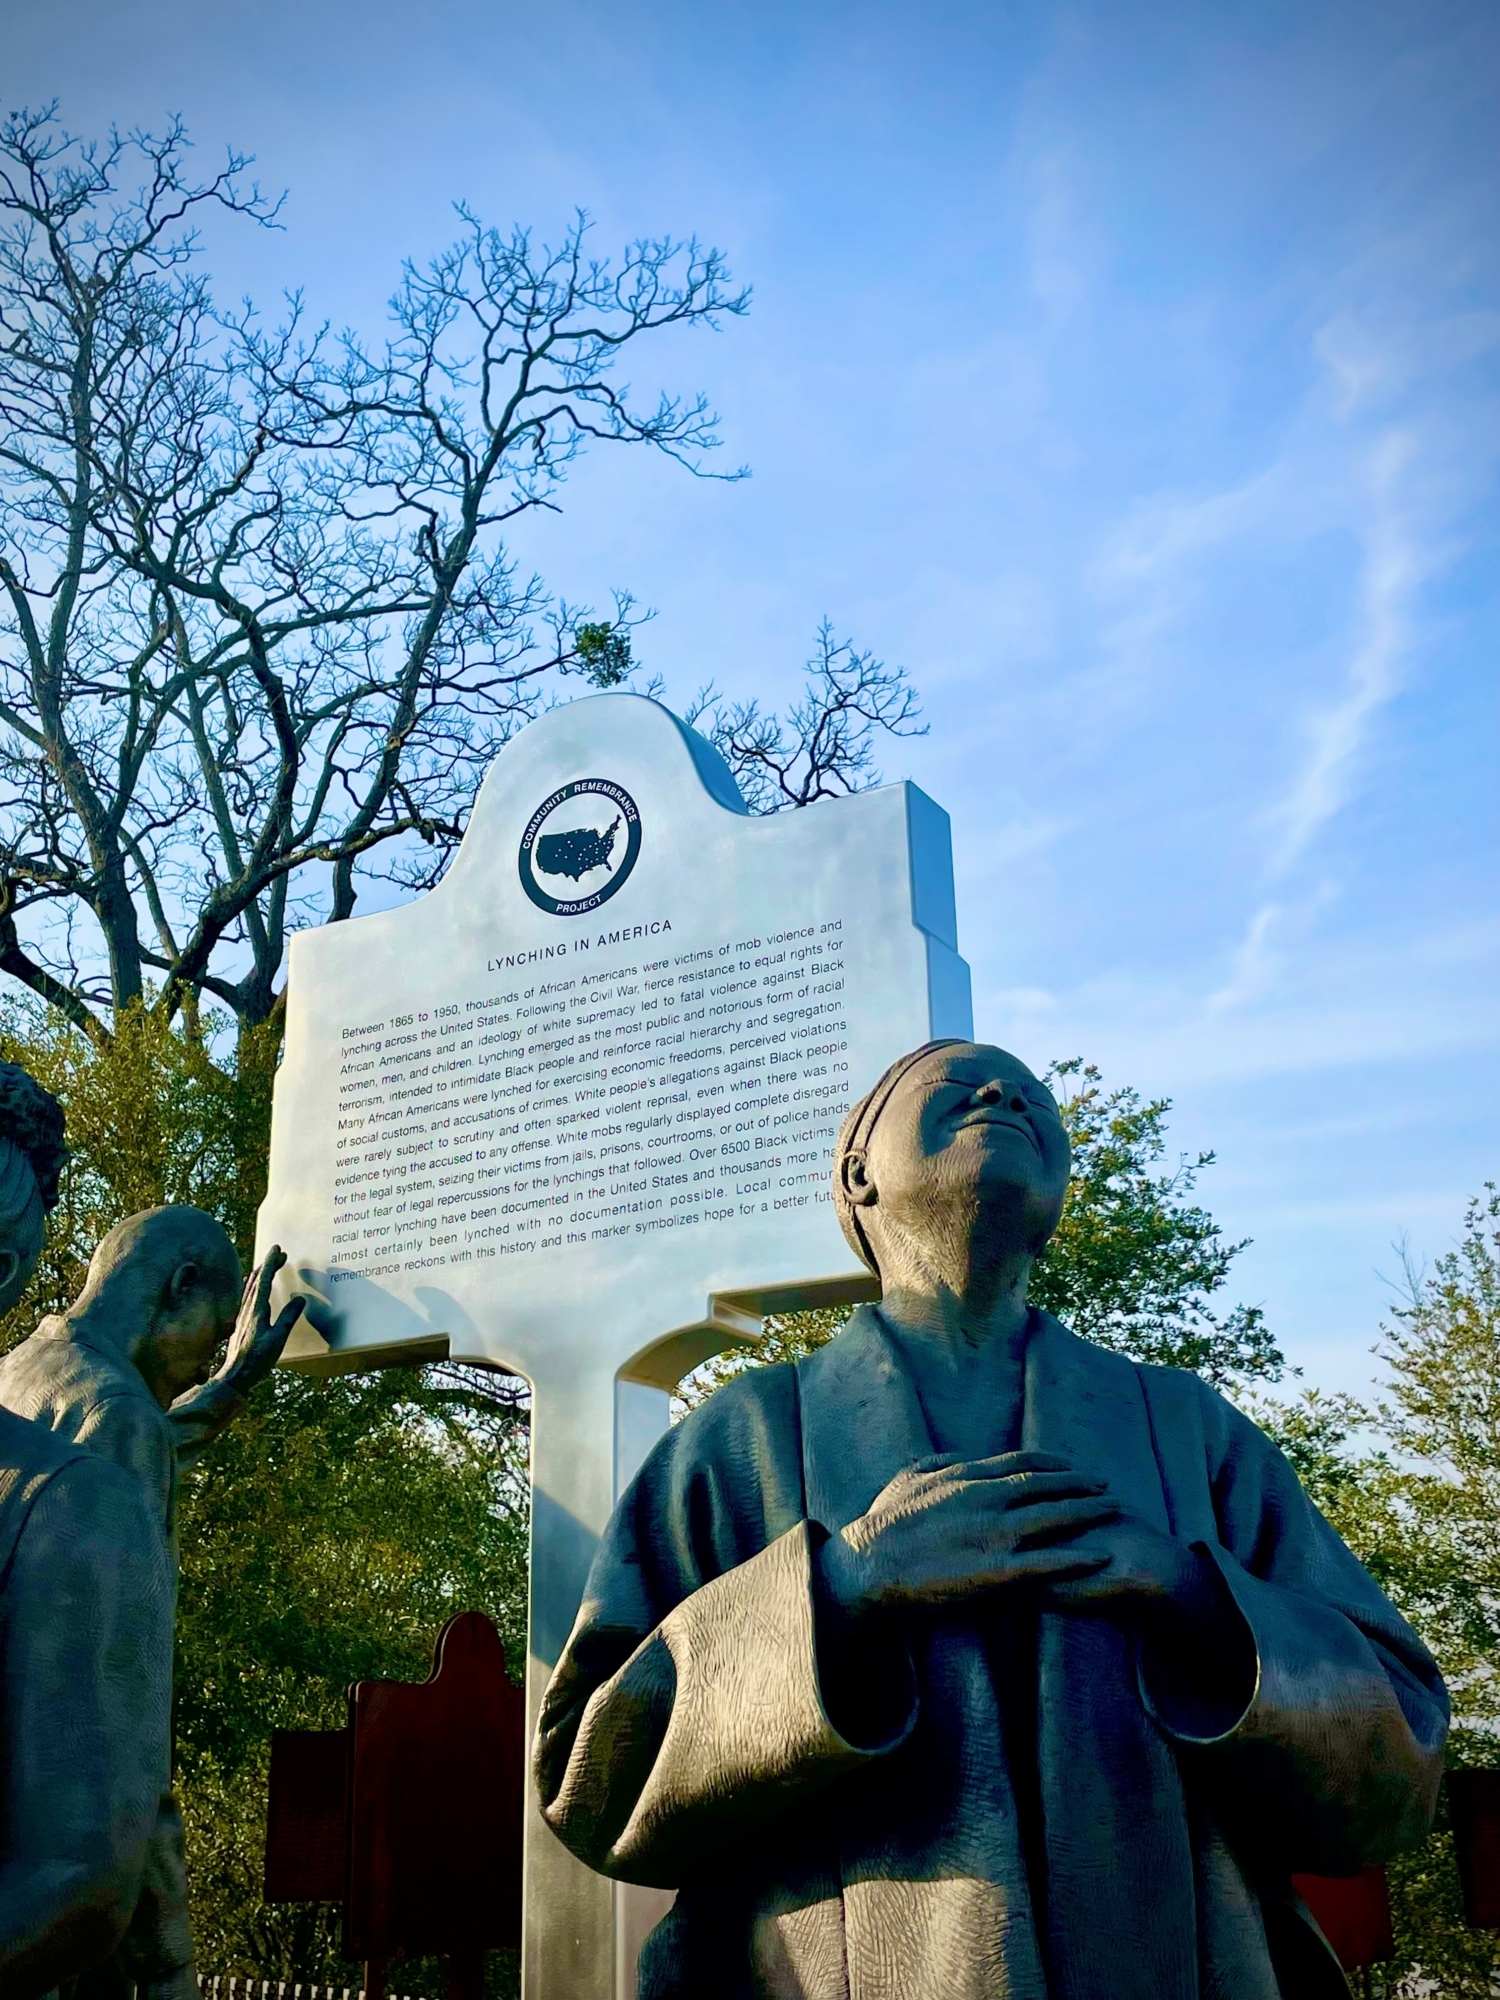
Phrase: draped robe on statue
pixel 1022 1808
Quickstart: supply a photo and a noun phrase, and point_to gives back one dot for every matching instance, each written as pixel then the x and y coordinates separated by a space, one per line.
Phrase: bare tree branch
pixel 260 635
pixel 823 747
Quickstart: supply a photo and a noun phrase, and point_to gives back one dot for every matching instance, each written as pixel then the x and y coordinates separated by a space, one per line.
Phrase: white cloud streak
pixel 1397 561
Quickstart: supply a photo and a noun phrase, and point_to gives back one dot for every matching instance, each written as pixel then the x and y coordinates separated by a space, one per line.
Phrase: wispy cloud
pixel 1373 457
pixel 1149 567
pixel 1255 962
pixel 1258 964
pixel 1399 557
pixel 1331 1007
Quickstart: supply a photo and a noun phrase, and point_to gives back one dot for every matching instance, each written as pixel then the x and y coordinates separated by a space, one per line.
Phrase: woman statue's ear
pixel 854 1175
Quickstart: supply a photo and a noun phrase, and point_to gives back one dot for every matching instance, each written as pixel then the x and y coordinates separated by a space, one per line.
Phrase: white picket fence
pixel 235 1988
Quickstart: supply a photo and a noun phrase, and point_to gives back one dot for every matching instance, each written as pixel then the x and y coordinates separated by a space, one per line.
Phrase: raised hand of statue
pixel 257 1342
pixel 947 1530
pixel 255 1347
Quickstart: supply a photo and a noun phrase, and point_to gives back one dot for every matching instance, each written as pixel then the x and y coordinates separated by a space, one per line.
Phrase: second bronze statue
pixel 966 1660
pixel 125 1374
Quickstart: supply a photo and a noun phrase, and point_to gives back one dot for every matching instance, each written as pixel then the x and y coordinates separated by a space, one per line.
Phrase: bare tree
pixel 261 630
pixel 260 633
pixel 823 746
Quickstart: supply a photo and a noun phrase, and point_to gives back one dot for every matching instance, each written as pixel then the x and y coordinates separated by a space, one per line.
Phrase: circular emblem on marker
pixel 580 846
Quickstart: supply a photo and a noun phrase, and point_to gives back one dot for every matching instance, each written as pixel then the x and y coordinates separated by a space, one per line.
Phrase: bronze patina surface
pixel 124 1374
pixel 85 1641
pixel 966 1660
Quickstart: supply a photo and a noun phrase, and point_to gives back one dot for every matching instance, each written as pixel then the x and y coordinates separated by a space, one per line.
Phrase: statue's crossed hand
pixel 947 1530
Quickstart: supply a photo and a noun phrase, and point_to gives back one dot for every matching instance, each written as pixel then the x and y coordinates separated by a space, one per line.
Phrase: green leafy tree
pixel 1441 1417
pixel 1135 1263
pixel 1412 1482
pixel 152 1118
pixel 325 1540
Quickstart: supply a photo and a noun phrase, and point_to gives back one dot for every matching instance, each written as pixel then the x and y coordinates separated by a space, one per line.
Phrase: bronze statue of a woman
pixel 966 1660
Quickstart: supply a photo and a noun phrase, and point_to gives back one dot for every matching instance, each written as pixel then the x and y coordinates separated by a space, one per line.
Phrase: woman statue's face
pixel 969 1139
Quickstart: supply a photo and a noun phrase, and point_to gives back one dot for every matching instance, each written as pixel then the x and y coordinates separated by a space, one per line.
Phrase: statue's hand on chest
pixel 948 1530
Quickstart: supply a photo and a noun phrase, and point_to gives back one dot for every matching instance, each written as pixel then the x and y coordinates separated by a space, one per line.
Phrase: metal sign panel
pixel 571 1115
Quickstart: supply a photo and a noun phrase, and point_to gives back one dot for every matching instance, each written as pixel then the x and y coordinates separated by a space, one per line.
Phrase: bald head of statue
pixel 957 1157
pixel 163 1290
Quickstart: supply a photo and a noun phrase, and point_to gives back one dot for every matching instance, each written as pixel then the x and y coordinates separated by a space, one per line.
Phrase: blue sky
pixel 1126 370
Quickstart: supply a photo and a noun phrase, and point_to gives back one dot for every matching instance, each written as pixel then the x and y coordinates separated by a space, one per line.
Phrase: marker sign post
pixel 571 1115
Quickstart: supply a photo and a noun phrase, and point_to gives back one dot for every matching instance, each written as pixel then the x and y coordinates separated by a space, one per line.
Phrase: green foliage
pixel 1442 1350
pixel 1134 1262
pixel 1432 1940
pixel 1413 1486
pixel 326 1539
pixel 603 653
pixel 1413 1483
pixel 153 1116
pixel 1133 1265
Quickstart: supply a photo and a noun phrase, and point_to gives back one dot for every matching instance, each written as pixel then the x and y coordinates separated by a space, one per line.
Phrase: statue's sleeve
pixel 201 1415
pixel 1335 1758
pixel 85 1683
pixel 687 1713
pixel 158 1947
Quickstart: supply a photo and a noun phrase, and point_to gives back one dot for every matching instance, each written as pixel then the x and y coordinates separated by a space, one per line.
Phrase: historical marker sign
pixel 571 1114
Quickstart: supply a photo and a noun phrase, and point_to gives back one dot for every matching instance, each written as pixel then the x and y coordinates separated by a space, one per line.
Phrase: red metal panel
pixel 1474 1805
pixel 1353 1912
pixel 435 1803
pixel 305 1860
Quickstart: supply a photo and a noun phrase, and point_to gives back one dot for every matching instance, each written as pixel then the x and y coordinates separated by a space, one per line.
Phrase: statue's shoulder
pixel 1058 1350
pixel 65 1509
pixel 756 1399
pixel 1156 1377
pixel 29 1450
pixel 1185 1407
pixel 734 1460
pixel 1164 1381
pixel 51 1371
pixel 30 1456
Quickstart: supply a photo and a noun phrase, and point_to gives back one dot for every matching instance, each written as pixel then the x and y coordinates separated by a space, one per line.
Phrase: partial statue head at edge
pixel 32 1157
pixel 956 1138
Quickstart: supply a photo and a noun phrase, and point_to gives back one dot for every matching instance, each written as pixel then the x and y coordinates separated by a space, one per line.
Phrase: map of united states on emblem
pixel 574 854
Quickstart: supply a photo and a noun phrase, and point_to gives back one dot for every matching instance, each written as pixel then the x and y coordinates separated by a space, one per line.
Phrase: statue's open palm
pixel 257 1342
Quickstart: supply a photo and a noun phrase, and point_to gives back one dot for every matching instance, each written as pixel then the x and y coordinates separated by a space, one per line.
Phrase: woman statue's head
pixel 957 1158
pixel 32 1156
